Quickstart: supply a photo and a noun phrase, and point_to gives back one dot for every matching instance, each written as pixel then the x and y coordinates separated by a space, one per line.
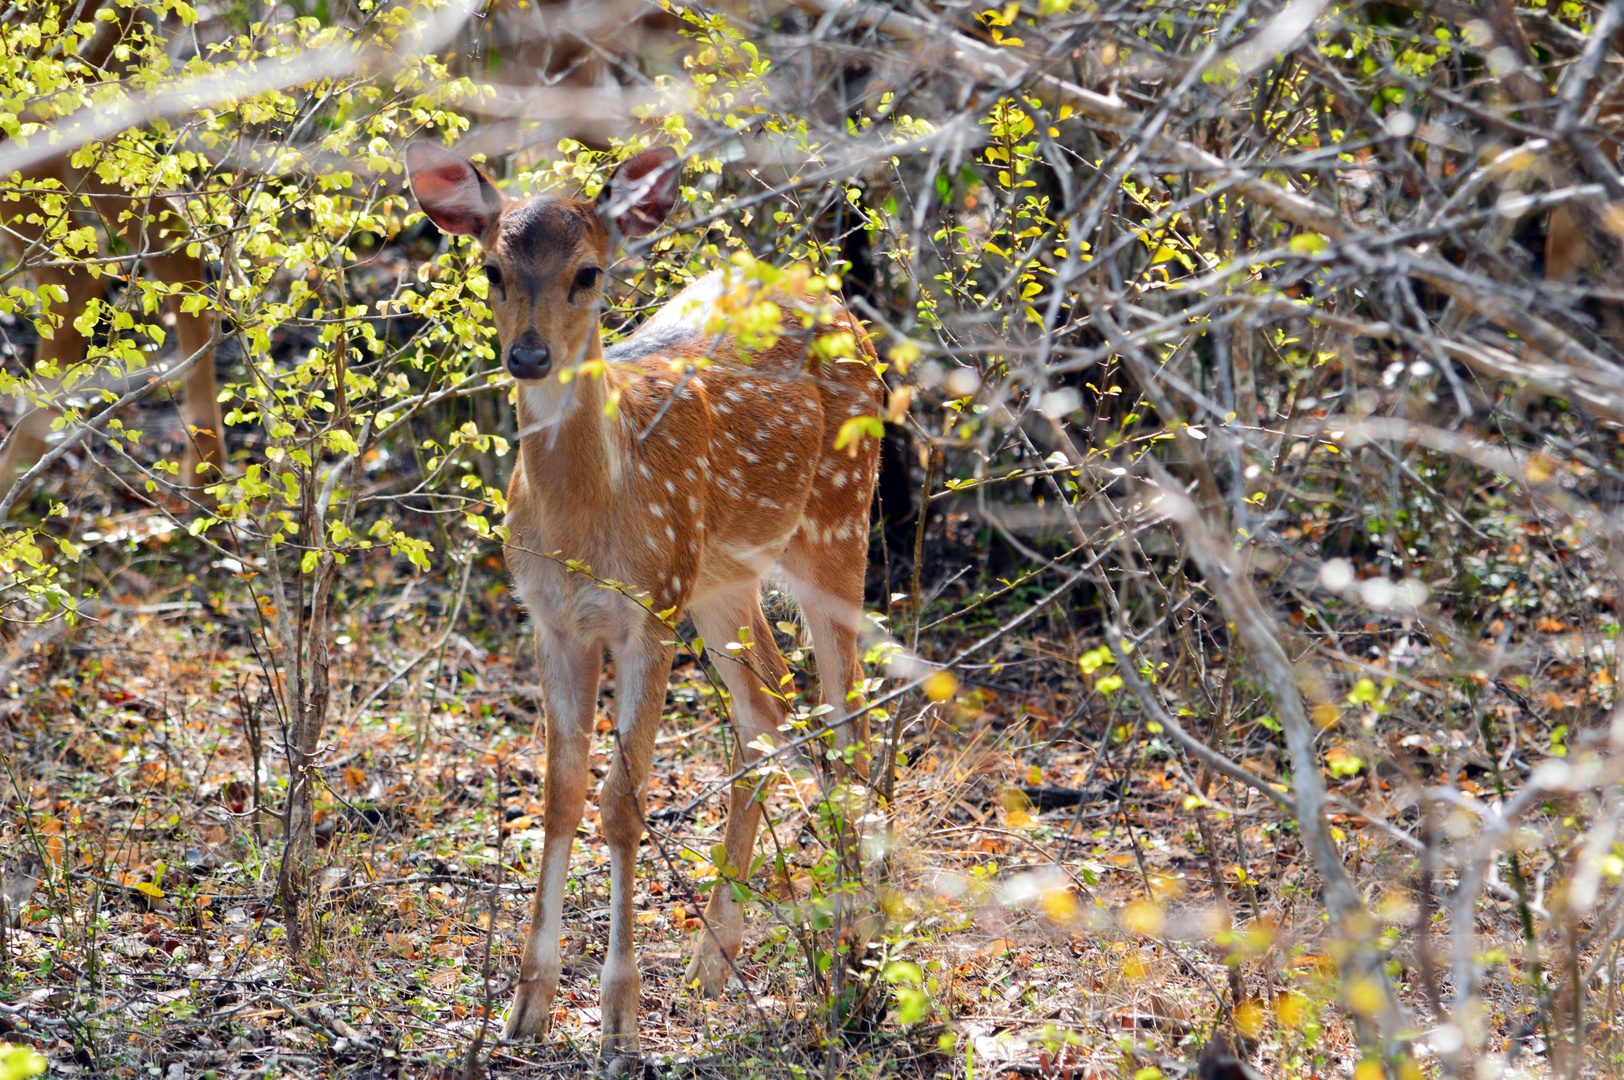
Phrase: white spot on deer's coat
pixel 657 510
pixel 840 481
pixel 670 532
pixel 653 545
pixel 669 486
pixel 644 469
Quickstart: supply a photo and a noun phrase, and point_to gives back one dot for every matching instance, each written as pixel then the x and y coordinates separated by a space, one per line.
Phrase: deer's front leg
pixel 569 678
pixel 642 671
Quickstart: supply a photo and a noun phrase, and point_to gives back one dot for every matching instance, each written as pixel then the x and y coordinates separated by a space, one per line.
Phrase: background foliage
pixel 1251 470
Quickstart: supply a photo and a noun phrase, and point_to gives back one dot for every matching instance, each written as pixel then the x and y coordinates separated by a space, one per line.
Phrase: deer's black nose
pixel 529 358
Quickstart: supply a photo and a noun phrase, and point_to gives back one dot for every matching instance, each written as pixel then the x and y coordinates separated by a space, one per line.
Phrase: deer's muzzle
pixel 529 357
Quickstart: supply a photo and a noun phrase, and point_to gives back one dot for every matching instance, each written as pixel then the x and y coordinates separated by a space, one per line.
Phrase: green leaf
pixel 18 1062
pixel 858 427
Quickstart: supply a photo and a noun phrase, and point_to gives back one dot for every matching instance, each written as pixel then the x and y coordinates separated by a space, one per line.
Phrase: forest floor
pixel 1047 889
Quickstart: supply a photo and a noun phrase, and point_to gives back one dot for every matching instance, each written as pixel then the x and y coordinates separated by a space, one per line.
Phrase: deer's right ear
pixel 452 190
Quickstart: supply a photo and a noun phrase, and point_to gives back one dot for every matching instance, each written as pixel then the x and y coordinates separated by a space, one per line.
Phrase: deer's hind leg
pixel 827 558
pixel 825 566
pixel 754 675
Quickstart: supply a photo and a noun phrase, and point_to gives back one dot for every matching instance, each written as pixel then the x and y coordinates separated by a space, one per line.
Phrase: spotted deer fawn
pixel 686 480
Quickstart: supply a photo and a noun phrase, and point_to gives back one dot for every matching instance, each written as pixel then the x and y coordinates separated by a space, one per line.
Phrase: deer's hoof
pixel 620 1051
pixel 709 968
pixel 531 1014
pixel 622 1066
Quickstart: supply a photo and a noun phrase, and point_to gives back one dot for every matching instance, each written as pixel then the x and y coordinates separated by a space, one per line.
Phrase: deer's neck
pixel 572 452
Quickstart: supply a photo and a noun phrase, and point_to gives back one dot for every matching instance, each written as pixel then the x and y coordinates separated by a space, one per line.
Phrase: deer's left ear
pixel 640 193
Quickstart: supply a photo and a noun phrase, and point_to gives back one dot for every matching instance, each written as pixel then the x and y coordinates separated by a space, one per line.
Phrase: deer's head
pixel 545 257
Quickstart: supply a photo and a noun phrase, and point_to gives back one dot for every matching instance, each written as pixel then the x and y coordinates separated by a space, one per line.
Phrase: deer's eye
pixel 493 274
pixel 586 277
